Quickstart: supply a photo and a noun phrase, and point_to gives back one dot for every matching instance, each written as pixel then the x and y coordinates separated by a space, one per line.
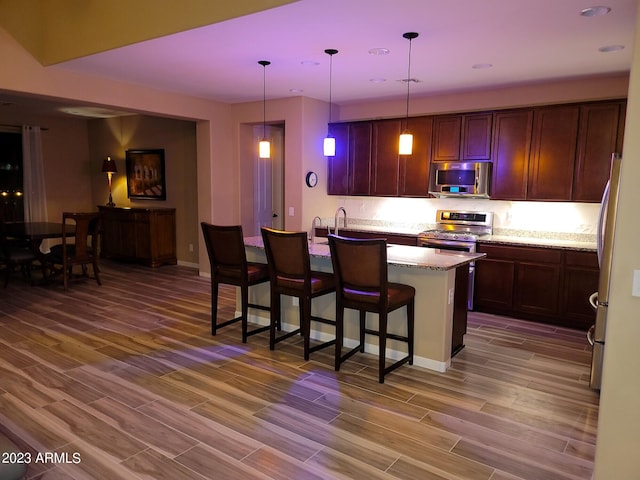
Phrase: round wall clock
pixel 312 179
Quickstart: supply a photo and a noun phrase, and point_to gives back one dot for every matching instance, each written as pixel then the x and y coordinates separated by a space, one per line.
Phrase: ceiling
pixel 524 41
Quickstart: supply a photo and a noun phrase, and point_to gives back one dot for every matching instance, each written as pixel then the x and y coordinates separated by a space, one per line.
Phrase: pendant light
pixel 406 139
pixel 329 145
pixel 264 147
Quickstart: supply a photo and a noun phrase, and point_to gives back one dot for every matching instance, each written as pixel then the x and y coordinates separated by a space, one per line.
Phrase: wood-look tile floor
pixel 127 382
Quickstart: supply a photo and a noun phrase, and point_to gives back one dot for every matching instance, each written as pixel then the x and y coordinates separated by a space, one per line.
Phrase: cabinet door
pixel 476 137
pixel 385 161
pixel 597 140
pixel 580 281
pixel 446 138
pixel 538 290
pixel 414 168
pixel 495 279
pixel 360 158
pixel 511 147
pixel 494 283
pixel 553 153
pixel 338 166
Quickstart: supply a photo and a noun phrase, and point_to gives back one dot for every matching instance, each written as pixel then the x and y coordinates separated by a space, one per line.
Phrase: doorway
pixel 268 180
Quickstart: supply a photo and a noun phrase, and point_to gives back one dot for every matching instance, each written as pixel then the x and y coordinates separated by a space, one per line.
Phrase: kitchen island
pixel 440 308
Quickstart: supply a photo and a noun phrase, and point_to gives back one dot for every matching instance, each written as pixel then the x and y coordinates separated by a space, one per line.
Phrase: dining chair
pixel 13 254
pixel 290 274
pixel 361 271
pixel 84 230
pixel 228 262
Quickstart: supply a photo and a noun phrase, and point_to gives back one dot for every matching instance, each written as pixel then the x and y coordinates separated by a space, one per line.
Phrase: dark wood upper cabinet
pixel 598 138
pixel 360 158
pixel 553 152
pixel 464 137
pixel 476 137
pixel 414 168
pixel 338 166
pixel 349 170
pixel 511 147
pixel 446 138
pixel 548 153
pixel 385 160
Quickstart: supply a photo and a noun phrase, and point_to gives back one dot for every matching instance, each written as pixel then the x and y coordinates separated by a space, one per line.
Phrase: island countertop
pixel 398 255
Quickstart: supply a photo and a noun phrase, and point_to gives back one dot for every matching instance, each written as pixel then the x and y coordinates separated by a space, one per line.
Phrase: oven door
pixel 458 246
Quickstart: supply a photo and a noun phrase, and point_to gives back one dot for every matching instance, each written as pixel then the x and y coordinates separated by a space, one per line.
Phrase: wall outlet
pixel 292 211
pixel 191 247
pixel 451 290
pixel 295 301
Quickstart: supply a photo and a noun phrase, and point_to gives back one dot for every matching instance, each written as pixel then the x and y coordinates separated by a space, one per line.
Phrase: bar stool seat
pixel 291 274
pixel 228 261
pixel 361 271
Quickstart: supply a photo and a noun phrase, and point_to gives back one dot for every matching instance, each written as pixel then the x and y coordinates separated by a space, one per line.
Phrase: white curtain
pixel 35 195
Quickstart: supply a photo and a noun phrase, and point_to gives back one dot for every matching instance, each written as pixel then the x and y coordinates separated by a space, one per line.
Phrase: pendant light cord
pixel 331 52
pixel 264 64
pixel 410 36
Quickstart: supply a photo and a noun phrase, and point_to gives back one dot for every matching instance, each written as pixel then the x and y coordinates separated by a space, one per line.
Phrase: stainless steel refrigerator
pixel 600 299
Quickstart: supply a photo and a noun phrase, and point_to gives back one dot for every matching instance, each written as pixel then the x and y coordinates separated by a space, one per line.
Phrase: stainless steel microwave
pixel 460 179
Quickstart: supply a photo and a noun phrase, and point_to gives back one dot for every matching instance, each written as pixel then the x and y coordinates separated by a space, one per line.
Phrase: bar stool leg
pixel 339 335
pixel 244 300
pixel 410 328
pixel 275 319
pixel 214 307
pixel 383 346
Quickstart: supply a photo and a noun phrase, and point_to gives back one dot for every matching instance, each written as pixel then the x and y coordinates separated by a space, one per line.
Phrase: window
pixel 11 186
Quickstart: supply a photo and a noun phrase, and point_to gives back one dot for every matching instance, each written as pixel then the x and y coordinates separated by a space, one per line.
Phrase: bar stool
pixel 361 271
pixel 291 274
pixel 228 260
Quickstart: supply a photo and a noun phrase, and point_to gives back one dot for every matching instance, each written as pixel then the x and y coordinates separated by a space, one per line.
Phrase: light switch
pixel 635 289
pixel 291 212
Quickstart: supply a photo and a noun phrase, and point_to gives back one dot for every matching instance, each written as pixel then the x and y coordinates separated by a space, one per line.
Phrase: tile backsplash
pixel 419 213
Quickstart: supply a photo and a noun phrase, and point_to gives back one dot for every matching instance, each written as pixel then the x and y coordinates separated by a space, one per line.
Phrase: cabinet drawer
pixel 581 259
pixel 526 254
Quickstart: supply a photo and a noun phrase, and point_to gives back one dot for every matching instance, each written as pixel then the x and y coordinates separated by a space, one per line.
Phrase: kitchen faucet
pixel 335 225
pixel 313 227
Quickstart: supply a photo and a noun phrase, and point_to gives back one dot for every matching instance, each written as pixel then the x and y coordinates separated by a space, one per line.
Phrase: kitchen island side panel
pixel 433 313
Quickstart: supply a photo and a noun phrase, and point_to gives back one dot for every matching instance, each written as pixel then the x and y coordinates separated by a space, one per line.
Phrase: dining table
pixel 34 233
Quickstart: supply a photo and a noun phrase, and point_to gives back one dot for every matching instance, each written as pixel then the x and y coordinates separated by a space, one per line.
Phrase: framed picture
pixel 145 174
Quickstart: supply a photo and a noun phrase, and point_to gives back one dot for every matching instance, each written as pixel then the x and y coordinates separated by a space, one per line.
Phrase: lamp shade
pixel 406 144
pixel 329 147
pixel 109 166
pixel 264 149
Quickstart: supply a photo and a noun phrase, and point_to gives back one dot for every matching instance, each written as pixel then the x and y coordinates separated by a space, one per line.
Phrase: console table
pixel 140 235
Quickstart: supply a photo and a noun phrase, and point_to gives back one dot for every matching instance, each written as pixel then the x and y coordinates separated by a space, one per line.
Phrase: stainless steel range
pixel 459 231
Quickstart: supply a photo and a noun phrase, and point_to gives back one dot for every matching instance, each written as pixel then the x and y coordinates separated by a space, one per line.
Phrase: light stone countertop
pixel 398 255
pixel 552 242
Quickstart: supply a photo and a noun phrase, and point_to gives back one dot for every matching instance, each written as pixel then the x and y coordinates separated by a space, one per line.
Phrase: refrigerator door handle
pixel 602 218
pixel 593 301
pixel 590 335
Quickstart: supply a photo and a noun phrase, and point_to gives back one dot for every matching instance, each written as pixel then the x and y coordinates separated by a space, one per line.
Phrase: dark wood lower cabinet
pixel 542 284
pixel 140 235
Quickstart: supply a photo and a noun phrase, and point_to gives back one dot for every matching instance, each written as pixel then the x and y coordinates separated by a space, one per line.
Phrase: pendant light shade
pixel 406 139
pixel 264 147
pixel 329 145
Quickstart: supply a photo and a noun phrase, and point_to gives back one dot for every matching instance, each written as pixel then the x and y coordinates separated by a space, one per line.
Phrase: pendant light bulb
pixel 264 147
pixel 329 144
pixel 405 146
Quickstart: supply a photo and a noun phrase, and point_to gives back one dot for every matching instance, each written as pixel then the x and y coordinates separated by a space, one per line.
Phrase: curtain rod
pixel 20 126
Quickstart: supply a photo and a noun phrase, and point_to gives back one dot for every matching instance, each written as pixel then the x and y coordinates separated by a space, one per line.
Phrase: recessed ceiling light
pixel 595 11
pixel 296 90
pixel 482 66
pixel 309 63
pixel 409 80
pixel 379 51
pixel 611 48
pixel 377 80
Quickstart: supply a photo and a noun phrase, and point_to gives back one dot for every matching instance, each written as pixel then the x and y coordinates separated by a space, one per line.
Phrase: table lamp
pixel 109 167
